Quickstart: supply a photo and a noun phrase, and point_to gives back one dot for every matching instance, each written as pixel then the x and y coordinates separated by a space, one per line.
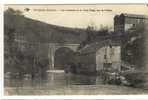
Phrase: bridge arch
pixel 54 49
pixel 63 56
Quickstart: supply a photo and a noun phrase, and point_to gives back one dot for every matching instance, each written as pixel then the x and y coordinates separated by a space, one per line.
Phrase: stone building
pixel 101 55
pixel 124 22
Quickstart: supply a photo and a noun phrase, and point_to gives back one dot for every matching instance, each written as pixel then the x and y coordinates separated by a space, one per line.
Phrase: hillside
pixel 21 58
pixel 37 31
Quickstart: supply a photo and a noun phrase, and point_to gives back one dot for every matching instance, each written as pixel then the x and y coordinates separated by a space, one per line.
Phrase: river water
pixel 60 83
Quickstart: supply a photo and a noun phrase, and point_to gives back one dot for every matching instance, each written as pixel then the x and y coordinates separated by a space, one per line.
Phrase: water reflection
pixel 65 84
pixel 54 79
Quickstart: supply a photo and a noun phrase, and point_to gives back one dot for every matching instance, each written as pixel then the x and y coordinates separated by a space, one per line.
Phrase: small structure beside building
pixel 98 56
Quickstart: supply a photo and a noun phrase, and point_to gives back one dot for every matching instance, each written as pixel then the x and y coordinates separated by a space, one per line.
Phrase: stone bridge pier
pixel 54 47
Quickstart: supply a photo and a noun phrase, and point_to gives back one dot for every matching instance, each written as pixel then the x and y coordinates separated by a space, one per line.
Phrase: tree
pixel 12 11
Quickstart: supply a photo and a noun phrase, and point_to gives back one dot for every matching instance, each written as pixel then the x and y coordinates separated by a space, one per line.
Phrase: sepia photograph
pixel 75 49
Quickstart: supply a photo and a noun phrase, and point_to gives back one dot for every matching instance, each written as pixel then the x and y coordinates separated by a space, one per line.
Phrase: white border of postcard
pixel 112 97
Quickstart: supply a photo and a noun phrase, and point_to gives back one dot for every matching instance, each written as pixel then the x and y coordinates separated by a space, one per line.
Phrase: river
pixel 60 83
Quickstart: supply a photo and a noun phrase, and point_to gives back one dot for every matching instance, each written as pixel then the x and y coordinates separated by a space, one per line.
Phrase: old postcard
pixel 91 49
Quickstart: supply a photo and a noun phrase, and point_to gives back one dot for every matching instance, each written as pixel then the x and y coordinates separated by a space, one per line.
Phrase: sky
pixel 79 16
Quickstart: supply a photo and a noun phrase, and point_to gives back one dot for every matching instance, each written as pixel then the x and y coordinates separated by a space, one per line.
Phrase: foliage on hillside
pixel 133 47
pixel 26 42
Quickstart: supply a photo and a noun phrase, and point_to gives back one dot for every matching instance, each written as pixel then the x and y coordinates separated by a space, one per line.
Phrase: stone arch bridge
pixel 55 47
